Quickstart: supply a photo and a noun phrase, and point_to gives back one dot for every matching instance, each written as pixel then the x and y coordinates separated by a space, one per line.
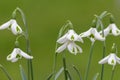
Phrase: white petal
pixel 62 39
pixel 15 28
pixel 98 36
pixel 112 59
pixel 25 55
pixel 61 48
pixel 5 25
pixel 70 47
pixel 72 35
pixel 14 60
pixel 80 39
pixel 115 30
pixel 104 60
pixel 87 33
pixel 12 55
pixel 92 39
pixel 118 59
pixel 106 31
pixel 79 49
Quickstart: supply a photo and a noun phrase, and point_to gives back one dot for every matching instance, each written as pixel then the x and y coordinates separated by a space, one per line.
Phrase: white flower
pixel 68 41
pixel 93 35
pixel 16 54
pixel 111 59
pixel 13 26
pixel 111 29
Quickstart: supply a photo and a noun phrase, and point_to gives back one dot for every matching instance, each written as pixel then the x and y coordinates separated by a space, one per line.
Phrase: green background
pixel 45 18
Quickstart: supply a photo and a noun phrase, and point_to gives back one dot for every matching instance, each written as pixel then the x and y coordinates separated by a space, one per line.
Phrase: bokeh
pixel 44 19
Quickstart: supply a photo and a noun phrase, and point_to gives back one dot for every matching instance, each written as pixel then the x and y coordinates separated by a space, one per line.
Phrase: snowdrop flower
pixel 17 54
pixel 13 26
pixel 68 41
pixel 93 35
pixel 111 59
pixel 111 29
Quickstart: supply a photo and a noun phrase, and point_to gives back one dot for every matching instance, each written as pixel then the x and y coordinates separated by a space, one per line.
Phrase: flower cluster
pixel 68 41
pixel 17 53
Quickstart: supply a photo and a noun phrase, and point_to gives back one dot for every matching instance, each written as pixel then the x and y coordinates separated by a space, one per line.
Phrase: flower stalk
pixel 89 61
pixel 28 50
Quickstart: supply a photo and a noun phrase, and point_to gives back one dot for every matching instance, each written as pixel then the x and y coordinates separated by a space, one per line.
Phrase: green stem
pixel 6 73
pixel 54 66
pixel 112 74
pixel 103 55
pixel 64 65
pixel 89 61
pixel 30 67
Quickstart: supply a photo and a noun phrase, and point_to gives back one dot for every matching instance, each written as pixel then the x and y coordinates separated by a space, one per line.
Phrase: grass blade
pixel 58 73
pixel 22 73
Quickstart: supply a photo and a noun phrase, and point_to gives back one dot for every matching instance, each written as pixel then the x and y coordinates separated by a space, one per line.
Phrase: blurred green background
pixel 45 18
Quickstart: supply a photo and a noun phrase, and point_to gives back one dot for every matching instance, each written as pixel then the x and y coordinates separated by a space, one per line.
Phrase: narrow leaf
pixel 58 73
pixel 50 76
pixel 6 73
pixel 77 71
pixel 22 73
pixel 69 76
pixel 96 76
pixel 103 14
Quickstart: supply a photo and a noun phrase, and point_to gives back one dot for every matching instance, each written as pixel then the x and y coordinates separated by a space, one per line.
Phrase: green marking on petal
pixel 112 61
pixel 92 36
pixel 19 56
pixel 72 37
pixel 18 29
pixel 117 31
pixel 110 31
pixel 73 50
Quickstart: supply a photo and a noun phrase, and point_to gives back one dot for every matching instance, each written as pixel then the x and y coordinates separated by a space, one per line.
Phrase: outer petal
pixel 5 25
pixel 118 60
pixel 80 39
pixel 14 60
pixel 62 39
pixel 106 31
pixel 87 33
pixel 79 49
pixel 72 35
pixel 15 28
pixel 71 48
pixel 98 36
pixel 12 55
pixel 104 60
pixel 61 48
pixel 112 59
pixel 25 55
pixel 115 30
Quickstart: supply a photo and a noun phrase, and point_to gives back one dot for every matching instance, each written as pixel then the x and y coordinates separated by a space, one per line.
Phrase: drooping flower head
pixel 111 59
pixel 17 54
pixel 112 29
pixel 68 41
pixel 13 26
pixel 92 34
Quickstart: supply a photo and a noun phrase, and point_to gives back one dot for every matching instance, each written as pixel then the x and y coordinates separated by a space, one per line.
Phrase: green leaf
pixel 58 73
pixel 69 76
pixel 6 72
pixel 96 76
pixel 103 14
pixel 77 71
pixel 50 76
pixel 22 73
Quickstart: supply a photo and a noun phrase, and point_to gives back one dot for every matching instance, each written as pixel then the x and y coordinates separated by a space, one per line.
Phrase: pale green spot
pixel 92 36
pixel 17 28
pixel 72 37
pixel 112 61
